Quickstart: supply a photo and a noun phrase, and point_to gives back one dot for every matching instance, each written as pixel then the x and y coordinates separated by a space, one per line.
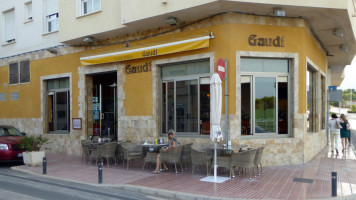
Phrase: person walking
pixel 334 132
pixel 344 133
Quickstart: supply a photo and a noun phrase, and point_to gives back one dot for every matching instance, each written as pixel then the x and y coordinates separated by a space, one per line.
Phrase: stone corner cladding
pixel 28 125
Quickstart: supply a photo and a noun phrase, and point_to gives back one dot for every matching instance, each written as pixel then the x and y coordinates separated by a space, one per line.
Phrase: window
pixel 311 99
pixel 2 96
pixel 89 6
pixel 264 96
pixel 323 101
pixel 51 16
pixel 9 19
pixel 58 107
pixel 28 11
pixel 19 72
pixel 14 96
pixel 186 98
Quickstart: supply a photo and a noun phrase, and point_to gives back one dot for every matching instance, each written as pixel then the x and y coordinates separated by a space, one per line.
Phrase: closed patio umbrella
pixel 216 103
pixel 215 131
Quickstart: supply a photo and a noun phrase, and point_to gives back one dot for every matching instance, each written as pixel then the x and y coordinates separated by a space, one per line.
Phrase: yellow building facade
pixel 276 71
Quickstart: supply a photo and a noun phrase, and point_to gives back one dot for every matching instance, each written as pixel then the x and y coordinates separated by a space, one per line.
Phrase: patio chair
pixel 258 159
pixel 86 152
pixel 172 156
pixel 200 157
pixel 223 161
pixel 186 154
pixel 131 152
pixel 151 157
pixel 108 151
pixel 95 152
pixel 244 159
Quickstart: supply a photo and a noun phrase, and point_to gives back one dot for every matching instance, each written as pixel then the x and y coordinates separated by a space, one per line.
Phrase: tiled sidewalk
pixel 275 183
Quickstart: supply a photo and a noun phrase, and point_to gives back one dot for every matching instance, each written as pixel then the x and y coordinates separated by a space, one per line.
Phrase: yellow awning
pixel 157 50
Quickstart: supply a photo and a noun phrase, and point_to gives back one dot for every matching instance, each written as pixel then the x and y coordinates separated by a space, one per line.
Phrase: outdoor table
pixel 155 147
pixel 228 149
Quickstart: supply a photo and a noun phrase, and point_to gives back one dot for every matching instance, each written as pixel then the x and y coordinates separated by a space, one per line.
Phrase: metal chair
pixel 172 156
pixel 244 159
pixel 200 157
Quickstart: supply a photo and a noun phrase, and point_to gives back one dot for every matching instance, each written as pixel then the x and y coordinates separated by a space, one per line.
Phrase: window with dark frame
pixel 19 72
pixel 185 93
pixel 58 106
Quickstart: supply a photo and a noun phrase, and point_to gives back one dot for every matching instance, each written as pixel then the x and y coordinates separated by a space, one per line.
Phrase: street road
pixel 17 186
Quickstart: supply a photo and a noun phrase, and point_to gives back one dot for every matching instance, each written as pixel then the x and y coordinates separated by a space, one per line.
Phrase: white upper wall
pixel 30 35
pixel 106 17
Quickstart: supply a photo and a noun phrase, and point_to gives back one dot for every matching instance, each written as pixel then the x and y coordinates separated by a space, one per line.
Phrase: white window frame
pixel 9 39
pixel 50 21
pixel 28 11
pixel 81 6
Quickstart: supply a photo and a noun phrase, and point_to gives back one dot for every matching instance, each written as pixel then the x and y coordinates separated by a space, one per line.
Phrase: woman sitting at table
pixel 172 141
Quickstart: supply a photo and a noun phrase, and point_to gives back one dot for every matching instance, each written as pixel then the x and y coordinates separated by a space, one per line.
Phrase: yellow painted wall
pixel 29 103
pixel 229 38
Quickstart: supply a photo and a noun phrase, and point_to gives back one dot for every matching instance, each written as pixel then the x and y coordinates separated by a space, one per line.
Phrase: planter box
pixel 33 158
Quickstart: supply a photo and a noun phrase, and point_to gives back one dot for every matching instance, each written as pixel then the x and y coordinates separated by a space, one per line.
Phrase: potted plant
pixel 33 145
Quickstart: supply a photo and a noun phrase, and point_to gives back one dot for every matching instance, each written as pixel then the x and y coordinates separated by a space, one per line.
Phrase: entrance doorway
pixel 101 101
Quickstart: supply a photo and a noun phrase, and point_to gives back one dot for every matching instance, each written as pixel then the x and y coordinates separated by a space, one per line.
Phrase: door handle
pixel 102 115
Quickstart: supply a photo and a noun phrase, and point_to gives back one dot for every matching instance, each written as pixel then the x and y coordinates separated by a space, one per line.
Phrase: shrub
pixel 33 143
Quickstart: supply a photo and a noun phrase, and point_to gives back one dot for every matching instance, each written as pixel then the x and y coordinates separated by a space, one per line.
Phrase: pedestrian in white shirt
pixel 334 123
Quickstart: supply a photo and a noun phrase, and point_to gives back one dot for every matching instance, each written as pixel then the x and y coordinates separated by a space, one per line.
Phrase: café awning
pixel 150 51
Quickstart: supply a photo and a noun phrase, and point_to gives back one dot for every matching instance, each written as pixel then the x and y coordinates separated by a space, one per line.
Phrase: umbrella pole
pixel 215 166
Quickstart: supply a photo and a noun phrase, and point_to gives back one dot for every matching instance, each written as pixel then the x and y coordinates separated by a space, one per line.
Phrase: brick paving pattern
pixel 275 183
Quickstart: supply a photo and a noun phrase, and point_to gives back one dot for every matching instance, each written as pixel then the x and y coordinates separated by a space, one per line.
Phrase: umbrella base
pixel 218 179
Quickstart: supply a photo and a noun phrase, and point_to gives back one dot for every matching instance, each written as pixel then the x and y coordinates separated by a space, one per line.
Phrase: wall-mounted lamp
pixel 343 48
pixel 89 40
pixel 172 21
pixel 279 12
pixel 51 50
pixel 337 32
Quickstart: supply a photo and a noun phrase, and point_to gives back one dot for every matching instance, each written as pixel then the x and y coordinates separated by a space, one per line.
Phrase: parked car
pixel 10 149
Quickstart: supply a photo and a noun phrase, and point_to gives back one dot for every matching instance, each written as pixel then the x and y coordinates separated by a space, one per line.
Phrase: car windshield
pixel 9 131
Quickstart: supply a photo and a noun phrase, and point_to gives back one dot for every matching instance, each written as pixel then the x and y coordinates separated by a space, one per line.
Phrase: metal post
pixel 226 103
pixel 100 172
pixel 333 184
pixel 327 118
pixel 215 165
pixel 44 165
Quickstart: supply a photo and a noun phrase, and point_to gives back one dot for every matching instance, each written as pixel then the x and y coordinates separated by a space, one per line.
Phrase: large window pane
pixel 265 105
pixel 311 99
pixel 246 105
pixel 171 106
pixel 204 106
pixel 183 69
pixel 264 65
pixel 187 106
pixel 283 105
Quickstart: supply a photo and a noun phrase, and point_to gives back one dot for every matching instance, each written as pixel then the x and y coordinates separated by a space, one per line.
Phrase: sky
pixel 350 76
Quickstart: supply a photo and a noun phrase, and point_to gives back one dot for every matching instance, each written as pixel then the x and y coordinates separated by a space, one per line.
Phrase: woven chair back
pixel 243 159
pixel 172 155
pixel 258 156
pixel 186 149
